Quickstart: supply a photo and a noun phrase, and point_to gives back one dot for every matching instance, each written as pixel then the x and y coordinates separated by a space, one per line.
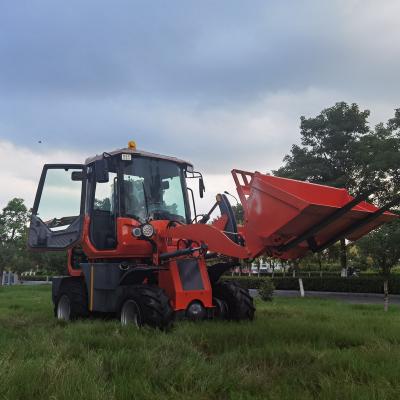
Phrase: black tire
pixel 238 300
pixel 154 307
pixel 74 293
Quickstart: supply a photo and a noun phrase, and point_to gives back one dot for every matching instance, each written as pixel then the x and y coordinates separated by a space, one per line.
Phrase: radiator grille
pixel 189 272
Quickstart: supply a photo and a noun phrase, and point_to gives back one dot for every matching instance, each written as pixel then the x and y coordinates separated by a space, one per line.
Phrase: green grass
pixel 295 349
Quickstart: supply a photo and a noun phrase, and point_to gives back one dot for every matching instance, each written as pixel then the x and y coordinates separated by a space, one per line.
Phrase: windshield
pixel 153 190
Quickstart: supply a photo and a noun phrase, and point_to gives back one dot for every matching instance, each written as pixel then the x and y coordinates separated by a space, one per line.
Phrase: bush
pixel 266 289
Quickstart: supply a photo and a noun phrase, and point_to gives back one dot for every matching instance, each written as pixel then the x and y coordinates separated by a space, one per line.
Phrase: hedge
pixel 35 278
pixel 307 274
pixel 363 284
pixel 300 273
pixel 371 284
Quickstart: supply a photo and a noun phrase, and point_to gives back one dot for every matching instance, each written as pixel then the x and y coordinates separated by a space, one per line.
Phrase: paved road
pixel 30 283
pixel 354 298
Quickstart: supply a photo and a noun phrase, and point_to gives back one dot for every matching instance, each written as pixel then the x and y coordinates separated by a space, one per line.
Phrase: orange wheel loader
pixel 138 249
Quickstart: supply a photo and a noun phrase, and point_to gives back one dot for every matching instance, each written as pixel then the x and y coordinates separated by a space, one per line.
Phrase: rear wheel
pixel 130 313
pixel 232 302
pixel 144 305
pixel 71 302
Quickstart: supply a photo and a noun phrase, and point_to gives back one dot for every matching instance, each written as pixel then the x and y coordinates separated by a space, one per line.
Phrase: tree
pixel 378 158
pixel 239 213
pixel 329 143
pixel 14 254
pixel 382 246
pixel 13 222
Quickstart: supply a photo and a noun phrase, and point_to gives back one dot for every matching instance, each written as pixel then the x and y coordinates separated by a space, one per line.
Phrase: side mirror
pixel 202 188
pixel 101 171
pixel 77 176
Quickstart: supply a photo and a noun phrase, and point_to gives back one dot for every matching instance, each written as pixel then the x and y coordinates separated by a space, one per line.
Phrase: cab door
pixel 59 208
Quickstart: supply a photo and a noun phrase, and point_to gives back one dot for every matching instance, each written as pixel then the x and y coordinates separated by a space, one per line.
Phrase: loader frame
pixel 156 262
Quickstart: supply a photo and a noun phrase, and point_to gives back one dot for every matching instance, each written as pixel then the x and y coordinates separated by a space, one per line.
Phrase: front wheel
pixel 233 301
pixel 144 305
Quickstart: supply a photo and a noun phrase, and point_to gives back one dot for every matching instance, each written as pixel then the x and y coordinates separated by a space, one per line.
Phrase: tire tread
pixel 76 291
pixel 240 303
pixel 153 302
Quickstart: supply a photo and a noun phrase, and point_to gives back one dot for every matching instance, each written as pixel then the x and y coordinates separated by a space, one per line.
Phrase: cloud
pixel 222 84
pixel 256 135
pixel 20 170
pixel 228 52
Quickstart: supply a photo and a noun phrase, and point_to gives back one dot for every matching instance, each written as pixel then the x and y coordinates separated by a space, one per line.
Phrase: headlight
pixel 137 232
pixel 147 230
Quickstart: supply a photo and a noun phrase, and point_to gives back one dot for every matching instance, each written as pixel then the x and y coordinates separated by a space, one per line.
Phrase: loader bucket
pixel 286 218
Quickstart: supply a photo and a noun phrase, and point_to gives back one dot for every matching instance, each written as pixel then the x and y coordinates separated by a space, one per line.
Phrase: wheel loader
pixel 138 249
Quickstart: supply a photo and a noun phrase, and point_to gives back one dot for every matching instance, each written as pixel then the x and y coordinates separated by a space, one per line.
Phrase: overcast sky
pixel 221 83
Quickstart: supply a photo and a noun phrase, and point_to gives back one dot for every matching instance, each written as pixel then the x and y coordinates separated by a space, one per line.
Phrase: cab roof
pixel 137 152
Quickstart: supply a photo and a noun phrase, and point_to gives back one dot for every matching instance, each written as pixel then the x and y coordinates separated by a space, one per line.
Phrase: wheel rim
pixel 196 311
pixel 64 308
pixel 130 313
pixel 221 308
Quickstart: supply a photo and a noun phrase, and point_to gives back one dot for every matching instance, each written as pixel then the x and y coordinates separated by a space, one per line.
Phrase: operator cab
pixel 134 185
pixel 125 183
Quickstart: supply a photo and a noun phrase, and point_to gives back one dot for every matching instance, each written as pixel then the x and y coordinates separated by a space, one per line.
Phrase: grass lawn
pixel 295 349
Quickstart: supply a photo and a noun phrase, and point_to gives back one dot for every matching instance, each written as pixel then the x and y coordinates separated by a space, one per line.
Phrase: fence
pixel 9 278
